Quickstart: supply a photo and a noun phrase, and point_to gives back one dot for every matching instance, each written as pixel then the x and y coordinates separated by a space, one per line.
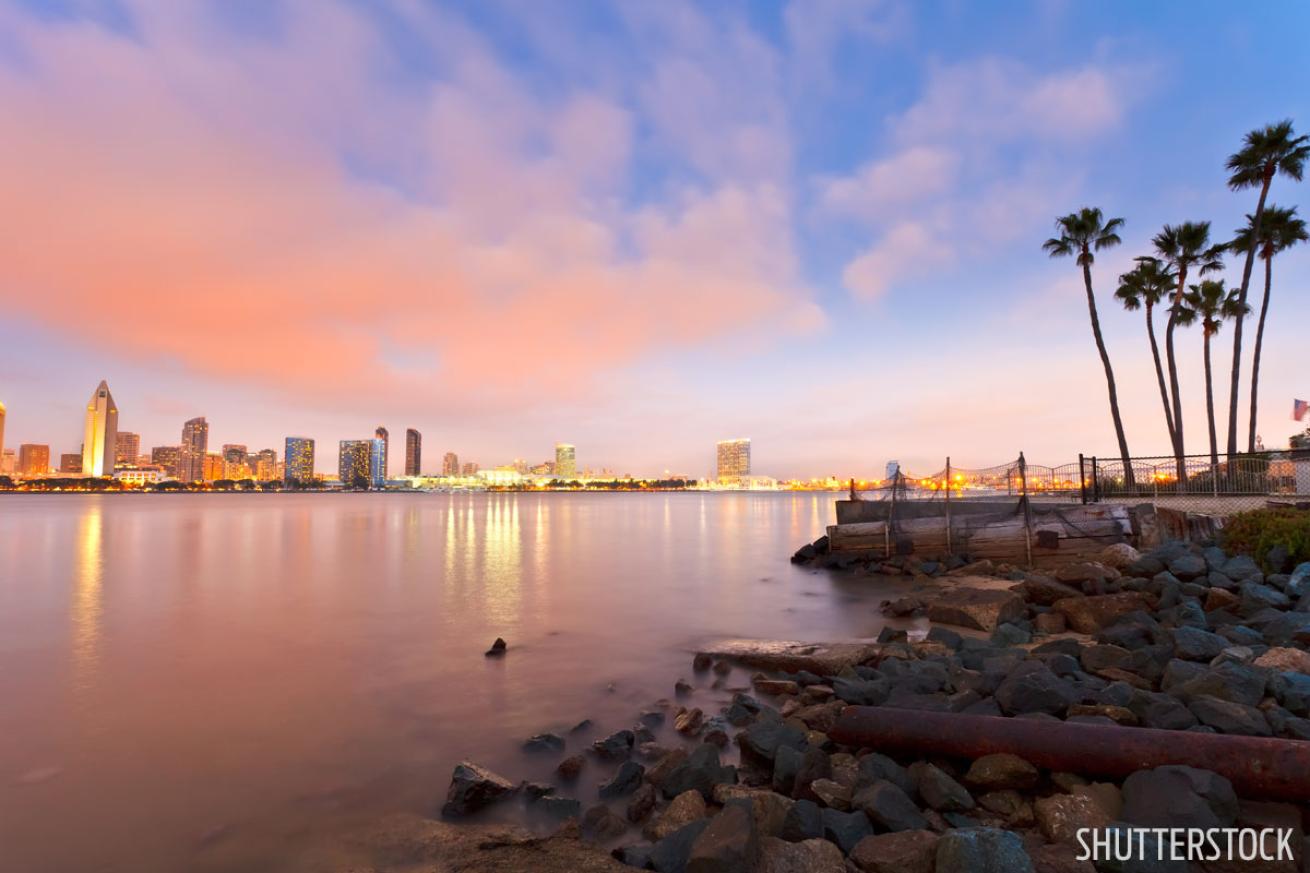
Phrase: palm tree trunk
pixel 1176 393
pixel 1209 408
pixel 1259 341
pixel 1109 379
pixel 1159 374
pixel 1237 328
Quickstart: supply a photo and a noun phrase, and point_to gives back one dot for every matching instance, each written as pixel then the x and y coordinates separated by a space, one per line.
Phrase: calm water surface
pixel 212 682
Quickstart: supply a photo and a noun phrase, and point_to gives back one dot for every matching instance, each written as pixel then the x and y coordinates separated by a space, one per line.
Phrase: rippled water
pixel 211 682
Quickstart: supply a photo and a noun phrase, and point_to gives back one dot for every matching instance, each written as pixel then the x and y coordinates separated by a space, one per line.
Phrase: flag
pixel 1299 409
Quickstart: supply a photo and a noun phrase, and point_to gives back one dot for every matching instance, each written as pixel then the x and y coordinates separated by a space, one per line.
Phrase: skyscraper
pixel 166 457
pixel 450 464
pixel 2 428
pixel 566 462
pixel 100 440
pixel 734 460
pixel 353 459
pixel 212 467
pixel 34 459
pixel 265 465
pixel 413 451
pixel 381 434
pixel 377 463
pixel 299 458
pixel 191 454
pixel 235 453
pixel 127 447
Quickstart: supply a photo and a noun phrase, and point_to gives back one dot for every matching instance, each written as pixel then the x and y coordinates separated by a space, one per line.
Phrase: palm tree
pixel 1081 234
pixel 1212 303
pixel 1145 286
pixel 1265 154
pixel 1183 248
pixel 1279 230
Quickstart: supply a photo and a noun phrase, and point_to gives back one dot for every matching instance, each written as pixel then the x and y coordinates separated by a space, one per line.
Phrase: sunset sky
pixel 638 227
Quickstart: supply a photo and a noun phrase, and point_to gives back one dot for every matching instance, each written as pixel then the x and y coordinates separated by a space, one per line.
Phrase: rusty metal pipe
pixel 1259 768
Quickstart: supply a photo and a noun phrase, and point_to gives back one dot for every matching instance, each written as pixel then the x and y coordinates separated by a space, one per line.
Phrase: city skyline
pixel 729 210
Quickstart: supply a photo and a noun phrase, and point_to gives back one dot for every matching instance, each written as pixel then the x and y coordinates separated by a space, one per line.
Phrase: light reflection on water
pixel 206 682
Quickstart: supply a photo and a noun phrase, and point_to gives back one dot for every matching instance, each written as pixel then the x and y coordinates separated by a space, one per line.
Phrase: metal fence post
pixel 1082 479
pixel 1096 481
pixel 1027 511
pixel 948 505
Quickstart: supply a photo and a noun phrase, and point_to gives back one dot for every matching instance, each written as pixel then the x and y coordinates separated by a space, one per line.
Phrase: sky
pixel 638 227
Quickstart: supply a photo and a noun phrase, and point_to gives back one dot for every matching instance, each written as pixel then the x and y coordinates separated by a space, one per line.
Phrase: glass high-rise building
pixel 127 448
pixel 166 457
pixel 382 434
pixel 191 454
pixel 734 460
pixel 377 463
pixel 450 464
pixel 299 460
pixel 264 465
pixel 413 452
pixel 2 429
pixel 566 461
pixel 353 462
pixel 100 437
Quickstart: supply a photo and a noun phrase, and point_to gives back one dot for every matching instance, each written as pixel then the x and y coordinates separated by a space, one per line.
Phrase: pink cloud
pixel 180 195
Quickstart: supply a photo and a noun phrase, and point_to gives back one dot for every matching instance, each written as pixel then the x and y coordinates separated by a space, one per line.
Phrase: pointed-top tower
pixel 100 440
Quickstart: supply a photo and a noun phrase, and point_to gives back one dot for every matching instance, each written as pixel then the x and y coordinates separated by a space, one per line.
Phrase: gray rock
pixel 786 763
pixel 804 821
pixel 625 780
pixel 670 854
pixel 1000 771
pixel 1256 597
pixel 1162 711
pixel 904 852
pixel 1032 687
pixel 600 824
pixel 808 856
pixel 557 808
pixel 1291 690
pixel 982 850
pixel 846 829
pixel 544 743
pixel 1193 644
pixel 730 844
pixel 862 692
pixel 1008 634
pixel 813 767
pixel 1238 683
pixel 1188 567
pixel 1230 718
pixel 874 767
pixel 939 790
pixel 1175 796
pixel 616 745
pixel 889 807
pixel 472 788
pixel 763 738
pixel 977 608
pixel 1241 568
pixel 700 771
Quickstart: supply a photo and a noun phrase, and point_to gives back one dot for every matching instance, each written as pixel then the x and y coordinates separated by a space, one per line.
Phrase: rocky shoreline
pixel 1181 638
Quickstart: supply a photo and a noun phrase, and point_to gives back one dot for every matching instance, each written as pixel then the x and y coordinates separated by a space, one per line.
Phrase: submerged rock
pixel 472 788
pixel 497 648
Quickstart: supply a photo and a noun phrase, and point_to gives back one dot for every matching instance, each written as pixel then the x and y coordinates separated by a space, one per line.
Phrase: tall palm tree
pixel 1083 233
pixel 1264 154
pixel 1213 304
pixel 1146 285
pixel 1280 229
pixel 1183 248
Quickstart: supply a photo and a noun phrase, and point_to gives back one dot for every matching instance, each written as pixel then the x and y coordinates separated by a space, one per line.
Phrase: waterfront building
pixel 566 462
pixel 193 451
pixel 70 462
pixel 382 434
pixel 165 457
pixel 470 468
pixel 8 463
pixel 127 447
pixel 100 440
pixel 235 453
pixel 237 471
pixel 377 463
pixel 33 460
pixel 413 451
pixel 299 460
pixel 265 465
pixel 734 460
pixel 353 462
pixel 450 464
pixel 2 429
pixel 212 467
pixel 139 476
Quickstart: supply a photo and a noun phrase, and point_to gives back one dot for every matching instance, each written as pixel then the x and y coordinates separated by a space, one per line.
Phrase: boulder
pixel 763 738
pixel 1194 644
pixel 1175 796
pixel 1189 566
pixel 804 821
pixel 875 766
pixel 729 844
pixel 497 648
pixel 846 829
pixel 814 766
pixel 977 608
pixel 1050 623
pixel 981 850
pixel 570 767
pixel 1285 659
pixel 1241 568
pixel 1061 816
pixel 1044 590
pixel 544 743
pixel 689 722
pixel 700 771
pixel 616 745
pixel 1162 711
pixel 624 781
pixel 806 856
pixel 831 794
pixel 686 808
pixel 903 852
pixel 1087 615
pixel 889 807
pixel 670 854
pixel 939 790
pixel 557 808
pixel 1000 771
pixel 1010 805
pixel 1230 718
pixel 862 692
pixel 1120 556
pixel 1091 575
pixel 1032 687
pixel 1228 680
pixel 642 803
pixel 600 824
pixel 473 788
